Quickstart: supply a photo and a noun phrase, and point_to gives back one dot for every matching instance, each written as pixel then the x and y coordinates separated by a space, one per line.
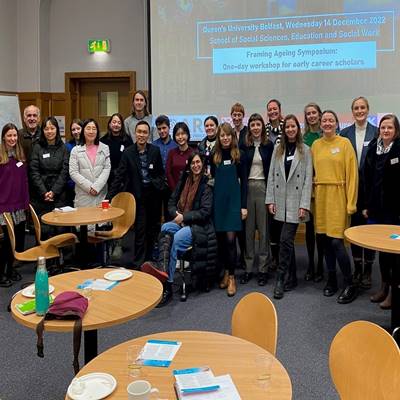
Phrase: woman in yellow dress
pixel 336 186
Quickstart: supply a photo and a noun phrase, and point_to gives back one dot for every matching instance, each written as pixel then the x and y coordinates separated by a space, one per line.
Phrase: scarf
pixel 188 193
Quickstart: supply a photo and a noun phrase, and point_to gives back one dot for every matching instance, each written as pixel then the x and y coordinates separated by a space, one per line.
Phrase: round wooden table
pixel 128 300
pixel 82 217
pixel 224 354
pixel 378 237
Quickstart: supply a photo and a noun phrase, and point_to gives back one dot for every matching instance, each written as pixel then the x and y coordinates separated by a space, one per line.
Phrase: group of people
pixel 239 183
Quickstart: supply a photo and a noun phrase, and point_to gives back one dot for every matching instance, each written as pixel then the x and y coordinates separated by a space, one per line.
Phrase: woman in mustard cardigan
pixel 335 185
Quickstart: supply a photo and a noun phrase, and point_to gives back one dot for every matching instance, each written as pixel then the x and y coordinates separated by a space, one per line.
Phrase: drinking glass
pixel 263 364
pixel 133 354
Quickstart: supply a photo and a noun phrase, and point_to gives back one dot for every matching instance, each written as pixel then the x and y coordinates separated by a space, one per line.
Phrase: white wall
pixel 28 54
pixel 73 22
pixel 8 45
pixel 40 40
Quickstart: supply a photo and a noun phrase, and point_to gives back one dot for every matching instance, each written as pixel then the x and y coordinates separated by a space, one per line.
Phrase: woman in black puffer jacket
pixel 48 170
pixel 190 208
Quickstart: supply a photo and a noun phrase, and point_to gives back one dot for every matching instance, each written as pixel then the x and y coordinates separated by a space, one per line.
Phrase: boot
pixel 348 295
pixel 319 274
pixel 381 294
pixel 165 240
pixel 167 295
pixel 291 282
pixel 387 303
pixel 357 276
pixel 279 286
pixel 331 286
pixel 224 283
pixel 309 276
pixel 366 276
pixel 231 289
pixel 275 257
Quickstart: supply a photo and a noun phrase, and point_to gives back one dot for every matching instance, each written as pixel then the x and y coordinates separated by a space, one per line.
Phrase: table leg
pixel 90 340
pixel 396 294
pixel 83 257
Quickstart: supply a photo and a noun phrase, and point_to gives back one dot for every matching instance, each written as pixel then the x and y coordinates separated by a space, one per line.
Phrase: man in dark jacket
pixel 141 173
pixel 30 133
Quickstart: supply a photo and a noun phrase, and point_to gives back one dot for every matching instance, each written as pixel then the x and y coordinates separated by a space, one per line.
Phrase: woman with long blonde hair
pixel 228 169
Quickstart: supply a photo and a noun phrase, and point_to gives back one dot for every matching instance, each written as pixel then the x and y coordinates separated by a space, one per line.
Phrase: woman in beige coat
pixel 89 167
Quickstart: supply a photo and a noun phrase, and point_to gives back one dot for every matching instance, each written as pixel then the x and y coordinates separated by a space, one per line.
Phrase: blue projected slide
pixel 324 42
pixel 209 54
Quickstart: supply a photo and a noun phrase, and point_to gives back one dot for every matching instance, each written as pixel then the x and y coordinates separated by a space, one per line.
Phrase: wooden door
pixel 100 98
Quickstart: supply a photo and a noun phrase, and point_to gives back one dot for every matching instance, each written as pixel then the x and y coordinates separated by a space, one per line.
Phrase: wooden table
pixel 128 300
pixel 82 217
pixel 377 237
pixel 225 354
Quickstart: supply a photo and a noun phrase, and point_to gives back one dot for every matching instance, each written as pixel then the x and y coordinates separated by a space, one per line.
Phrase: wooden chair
pixel 121 225
pixel 364 362
pixel 254 319
pixel 46 250
pixel 61 240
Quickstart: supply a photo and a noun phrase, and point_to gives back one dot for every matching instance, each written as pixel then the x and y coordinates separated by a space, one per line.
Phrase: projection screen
pixel 208 54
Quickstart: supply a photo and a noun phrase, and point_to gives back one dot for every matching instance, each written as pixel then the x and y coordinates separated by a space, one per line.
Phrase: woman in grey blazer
pixel 89 166
pixel 288 197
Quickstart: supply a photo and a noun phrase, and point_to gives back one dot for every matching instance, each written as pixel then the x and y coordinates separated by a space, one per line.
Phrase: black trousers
pixel 335 250
pixel 287 261
pixel 165 195
pixel 147 225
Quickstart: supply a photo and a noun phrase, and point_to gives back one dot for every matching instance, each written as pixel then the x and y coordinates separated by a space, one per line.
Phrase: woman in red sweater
pixel 177 158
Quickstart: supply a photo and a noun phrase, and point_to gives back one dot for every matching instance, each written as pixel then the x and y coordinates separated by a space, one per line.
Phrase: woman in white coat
pixel 288 197
pixel 89 166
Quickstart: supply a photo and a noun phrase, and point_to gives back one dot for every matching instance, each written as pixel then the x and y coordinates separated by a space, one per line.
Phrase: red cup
pixel 105 204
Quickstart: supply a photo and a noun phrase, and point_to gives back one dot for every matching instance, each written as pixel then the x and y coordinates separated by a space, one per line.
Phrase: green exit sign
pixel 99 45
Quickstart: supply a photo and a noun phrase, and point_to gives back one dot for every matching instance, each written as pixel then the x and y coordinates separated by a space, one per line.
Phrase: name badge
pixel 151 166
pixel 19 164
pixel 366 144
pixel 227 162
pixel 394 161
pixel 290 158
pixel 335 150
pixel 47 155
pixel 122 148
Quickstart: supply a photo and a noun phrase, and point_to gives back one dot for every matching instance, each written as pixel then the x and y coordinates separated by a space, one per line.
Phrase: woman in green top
pixel 312 132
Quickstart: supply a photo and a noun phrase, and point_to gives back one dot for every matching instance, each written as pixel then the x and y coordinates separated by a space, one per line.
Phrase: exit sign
pixel 99 45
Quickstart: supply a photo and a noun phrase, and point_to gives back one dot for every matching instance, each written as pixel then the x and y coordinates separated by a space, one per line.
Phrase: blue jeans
pixel 182 240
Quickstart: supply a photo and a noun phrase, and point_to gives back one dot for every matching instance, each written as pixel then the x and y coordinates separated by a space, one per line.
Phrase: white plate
pixel 29 291
pixel 97 385
pixel 118 275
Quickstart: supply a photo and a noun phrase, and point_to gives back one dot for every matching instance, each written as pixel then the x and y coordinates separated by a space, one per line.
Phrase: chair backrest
pixel 36 223
pixel 364 361
pixel 127 202
pixel 254 319
pixel 10 230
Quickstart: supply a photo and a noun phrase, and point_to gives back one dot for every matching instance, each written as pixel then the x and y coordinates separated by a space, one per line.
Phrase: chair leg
pixel 105 253
pixel 183 288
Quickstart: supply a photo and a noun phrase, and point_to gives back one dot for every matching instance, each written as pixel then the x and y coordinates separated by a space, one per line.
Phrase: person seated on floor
pixel 190 206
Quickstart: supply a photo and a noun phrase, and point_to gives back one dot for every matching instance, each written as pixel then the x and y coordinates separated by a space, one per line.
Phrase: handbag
pixel 67 305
